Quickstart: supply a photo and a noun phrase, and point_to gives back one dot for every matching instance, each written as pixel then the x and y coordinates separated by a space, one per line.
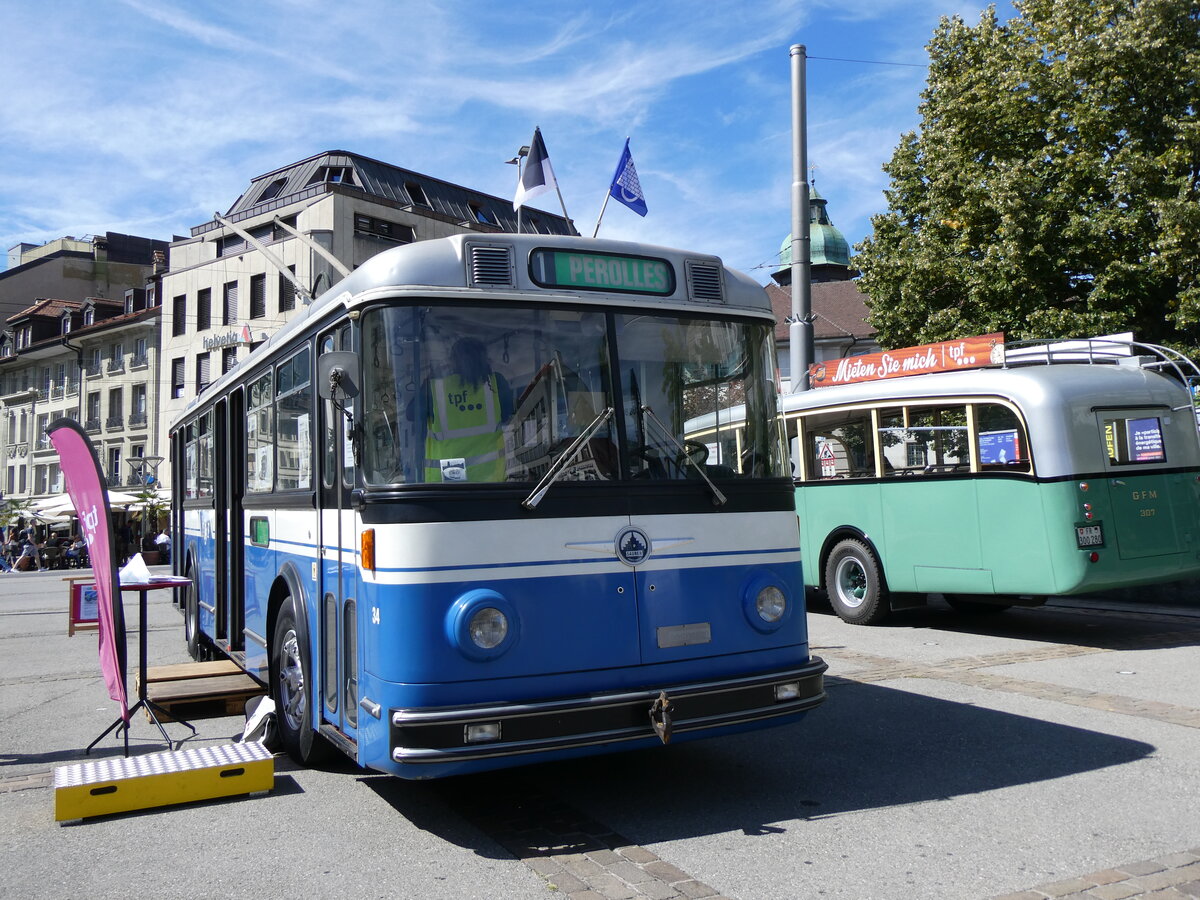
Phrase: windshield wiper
pixel 565 460
pixel 718 498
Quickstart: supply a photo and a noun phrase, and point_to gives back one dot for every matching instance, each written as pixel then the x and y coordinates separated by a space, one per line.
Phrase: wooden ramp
pixel 202 690
pixel 108 786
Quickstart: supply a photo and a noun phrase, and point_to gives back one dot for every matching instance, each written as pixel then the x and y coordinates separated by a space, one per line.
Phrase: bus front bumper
pixel 461 734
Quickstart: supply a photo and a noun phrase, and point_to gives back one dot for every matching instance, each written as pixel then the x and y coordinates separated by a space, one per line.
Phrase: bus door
pixel 337 630
pixel 1143 519
pixel 229 443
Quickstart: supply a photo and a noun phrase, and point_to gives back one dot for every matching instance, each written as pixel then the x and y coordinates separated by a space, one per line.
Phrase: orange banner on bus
pixel 964 353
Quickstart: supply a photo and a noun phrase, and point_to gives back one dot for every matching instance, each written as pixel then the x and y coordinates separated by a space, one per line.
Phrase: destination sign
pixel 602 272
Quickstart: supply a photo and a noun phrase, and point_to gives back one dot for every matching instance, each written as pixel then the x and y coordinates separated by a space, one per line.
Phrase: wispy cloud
pixel 156 113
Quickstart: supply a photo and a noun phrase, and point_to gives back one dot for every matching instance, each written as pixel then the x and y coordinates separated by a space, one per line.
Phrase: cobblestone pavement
pixel 1172 877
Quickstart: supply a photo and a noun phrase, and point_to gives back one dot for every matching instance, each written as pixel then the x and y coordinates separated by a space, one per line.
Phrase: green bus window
pixel 925 440
pixel 839 445
pixel 1003 445
pixel 1134 440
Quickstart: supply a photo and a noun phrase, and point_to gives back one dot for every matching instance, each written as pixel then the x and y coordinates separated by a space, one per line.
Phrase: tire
pixel 854 583
pixel 291 688
pixel 191 618
pixel 972 607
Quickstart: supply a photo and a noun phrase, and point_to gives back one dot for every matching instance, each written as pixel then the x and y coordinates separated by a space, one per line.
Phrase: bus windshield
pixel 487 394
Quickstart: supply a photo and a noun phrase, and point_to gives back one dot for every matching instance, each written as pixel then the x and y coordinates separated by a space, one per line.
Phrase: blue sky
pixel 146 116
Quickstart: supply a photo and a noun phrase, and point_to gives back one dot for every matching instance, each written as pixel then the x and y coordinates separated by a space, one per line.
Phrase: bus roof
pixel 496 265
pixel 1058 402
pixel 1028 386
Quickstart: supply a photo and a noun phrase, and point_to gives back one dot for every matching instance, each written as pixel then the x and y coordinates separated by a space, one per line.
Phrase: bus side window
pixel 1003 444
pixel 925 440
pixel 839 445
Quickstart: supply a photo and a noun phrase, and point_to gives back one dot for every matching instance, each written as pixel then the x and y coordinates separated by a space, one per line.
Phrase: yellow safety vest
pixel 464 442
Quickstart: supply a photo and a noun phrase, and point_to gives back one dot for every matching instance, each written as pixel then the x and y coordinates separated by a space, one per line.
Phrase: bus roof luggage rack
pixel 1119 349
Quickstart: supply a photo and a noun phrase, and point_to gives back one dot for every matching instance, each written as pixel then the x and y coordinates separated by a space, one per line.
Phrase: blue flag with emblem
pixel 625 186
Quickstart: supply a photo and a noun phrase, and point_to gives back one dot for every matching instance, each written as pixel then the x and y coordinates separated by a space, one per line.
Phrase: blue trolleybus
pixel 449 516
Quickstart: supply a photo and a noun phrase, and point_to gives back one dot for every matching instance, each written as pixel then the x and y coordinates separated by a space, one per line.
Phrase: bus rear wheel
pixel 291 675
pixel 854 583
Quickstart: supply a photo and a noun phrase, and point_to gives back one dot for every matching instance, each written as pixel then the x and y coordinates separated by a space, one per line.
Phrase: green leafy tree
pixel 1053 187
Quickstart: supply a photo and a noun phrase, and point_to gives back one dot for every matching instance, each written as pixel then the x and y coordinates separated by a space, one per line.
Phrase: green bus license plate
pixel 1089 535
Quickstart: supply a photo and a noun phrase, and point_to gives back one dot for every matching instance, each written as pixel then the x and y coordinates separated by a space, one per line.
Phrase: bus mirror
pixel 336 370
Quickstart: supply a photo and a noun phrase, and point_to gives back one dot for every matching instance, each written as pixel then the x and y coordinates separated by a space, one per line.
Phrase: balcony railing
pixel 114 422
pixel 139 362
pixel 137 418
pixel 56 392
pixel 92 369
pixel 115 366
pixel 91 425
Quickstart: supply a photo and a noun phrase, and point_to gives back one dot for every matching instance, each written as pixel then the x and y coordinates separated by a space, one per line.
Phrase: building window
pixel 416 194
pixel 332 175
pixel 202 376
pixel 140 357
pixel 229 307
pixel 272 190
pixel 89 316
pixel 204 309
pixel 116 359
pixel 483 216
pixel 179 316
pixel 228 359
pixel 116 408
pixel 177 378
pixel 66 323
pixel 401 234
pixel 258 296
pixel 93 412
pixel 114 465
pixel 137 412
pixel 287 291
pixel 230 244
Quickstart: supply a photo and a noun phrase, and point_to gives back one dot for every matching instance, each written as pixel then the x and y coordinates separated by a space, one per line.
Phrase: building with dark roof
pixel 839 309
pixel 94 360
pixel 241 276
pixel 105 266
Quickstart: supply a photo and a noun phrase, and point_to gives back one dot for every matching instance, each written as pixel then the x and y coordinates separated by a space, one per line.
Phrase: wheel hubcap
pixel 291 682
pixel 851 583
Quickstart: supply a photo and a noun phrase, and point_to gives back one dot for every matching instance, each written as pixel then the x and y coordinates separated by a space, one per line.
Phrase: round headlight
pixel 488 627
pixel 771 604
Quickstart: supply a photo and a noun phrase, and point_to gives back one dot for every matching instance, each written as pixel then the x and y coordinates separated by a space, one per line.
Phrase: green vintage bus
pixel 1063 469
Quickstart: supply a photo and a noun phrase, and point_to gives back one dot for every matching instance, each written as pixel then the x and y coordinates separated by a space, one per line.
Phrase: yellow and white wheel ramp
pixel 124 784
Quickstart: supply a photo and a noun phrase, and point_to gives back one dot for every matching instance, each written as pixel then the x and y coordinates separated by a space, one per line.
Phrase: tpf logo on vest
pixel 632 545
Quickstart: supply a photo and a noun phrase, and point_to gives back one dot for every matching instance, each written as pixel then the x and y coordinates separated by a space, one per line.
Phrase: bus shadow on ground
pixel 1082 626
pixel 870 747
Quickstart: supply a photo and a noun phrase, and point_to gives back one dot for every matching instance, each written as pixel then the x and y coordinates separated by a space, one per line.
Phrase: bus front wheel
pixel 291 673
pixel 854 582
pixel 191 617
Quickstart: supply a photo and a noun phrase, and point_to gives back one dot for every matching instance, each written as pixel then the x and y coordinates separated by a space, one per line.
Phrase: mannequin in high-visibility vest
pixel 467 411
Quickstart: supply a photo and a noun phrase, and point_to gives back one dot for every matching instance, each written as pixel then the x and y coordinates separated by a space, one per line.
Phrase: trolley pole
pixel 800 330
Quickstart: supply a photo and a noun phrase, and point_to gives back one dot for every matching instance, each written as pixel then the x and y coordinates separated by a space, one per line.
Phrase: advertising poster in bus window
pixel 998 448
pixel 1145 440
